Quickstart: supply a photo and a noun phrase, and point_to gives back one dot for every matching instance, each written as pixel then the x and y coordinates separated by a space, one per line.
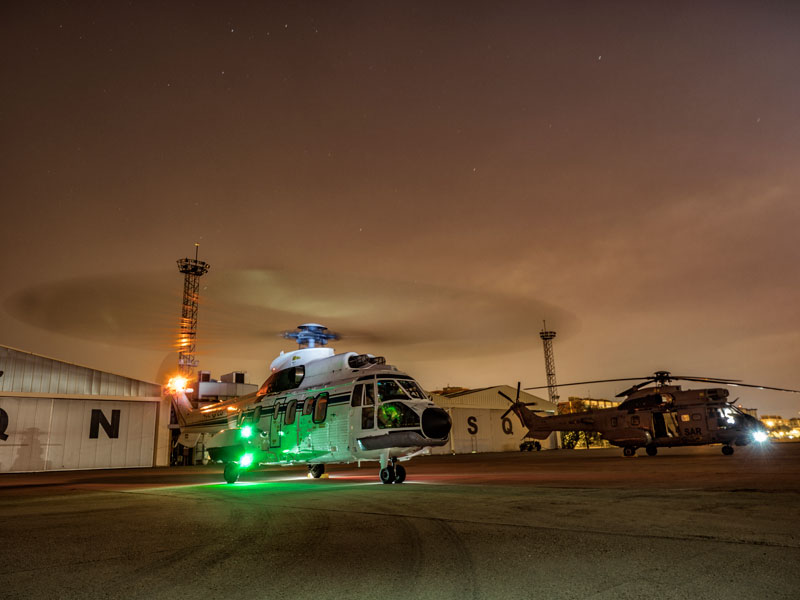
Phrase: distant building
pixel 578 405
pixel 478 422
pixel 56 415
pixel 773 421
pixel 582 439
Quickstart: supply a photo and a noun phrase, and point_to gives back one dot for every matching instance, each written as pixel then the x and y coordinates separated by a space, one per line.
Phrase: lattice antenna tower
pixel 549 362
pixel 193 270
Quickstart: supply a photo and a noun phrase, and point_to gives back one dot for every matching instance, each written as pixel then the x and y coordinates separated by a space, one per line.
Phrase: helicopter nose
pixel 435 423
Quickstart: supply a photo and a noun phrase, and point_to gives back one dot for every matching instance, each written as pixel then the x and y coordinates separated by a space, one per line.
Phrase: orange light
pixel 177 384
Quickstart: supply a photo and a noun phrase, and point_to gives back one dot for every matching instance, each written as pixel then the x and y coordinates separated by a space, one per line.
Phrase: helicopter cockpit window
pixel 396 414
pixel 726 417
pixel 369 394
pixel 358 394
pixel 412 389
pixel 634 420
pixel 389 389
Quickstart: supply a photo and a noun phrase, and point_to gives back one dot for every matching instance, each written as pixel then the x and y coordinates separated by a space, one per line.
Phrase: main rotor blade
pixel 541 387
pixel 506 413
pixel 708 379
pixel 763 387
pixel 636 387
pixel 517 399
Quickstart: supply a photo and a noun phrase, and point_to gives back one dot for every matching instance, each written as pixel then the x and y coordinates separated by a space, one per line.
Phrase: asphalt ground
pixel 688 523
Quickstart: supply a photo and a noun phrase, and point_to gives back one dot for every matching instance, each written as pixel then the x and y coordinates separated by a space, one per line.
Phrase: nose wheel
pixel 393 473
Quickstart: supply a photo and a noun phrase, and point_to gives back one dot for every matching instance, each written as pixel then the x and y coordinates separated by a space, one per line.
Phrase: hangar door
pixel 44 434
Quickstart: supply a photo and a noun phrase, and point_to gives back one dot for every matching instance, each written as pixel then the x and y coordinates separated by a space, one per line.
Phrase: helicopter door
pixel 368 407
pixel 362 411
pixel 659 428
pixel 275 425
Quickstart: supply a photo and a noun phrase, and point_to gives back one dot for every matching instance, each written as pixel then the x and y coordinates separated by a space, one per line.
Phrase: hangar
pixel 56 415
pixel 478 422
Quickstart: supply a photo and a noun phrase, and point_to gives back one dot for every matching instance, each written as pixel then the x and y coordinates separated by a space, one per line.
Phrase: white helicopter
pixel 318 408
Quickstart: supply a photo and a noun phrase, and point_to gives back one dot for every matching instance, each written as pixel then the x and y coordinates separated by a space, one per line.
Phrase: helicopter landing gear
pixel 393 473
pixel 629 451
pixel 651 450
pixel 316 471
pixel 387 475
pixel 231 473
pixel 727 450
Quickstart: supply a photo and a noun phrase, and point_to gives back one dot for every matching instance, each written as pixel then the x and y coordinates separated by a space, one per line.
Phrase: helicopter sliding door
pixel 665 425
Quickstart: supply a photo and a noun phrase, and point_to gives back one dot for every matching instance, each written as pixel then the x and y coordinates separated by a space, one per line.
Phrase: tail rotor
pixel 515 404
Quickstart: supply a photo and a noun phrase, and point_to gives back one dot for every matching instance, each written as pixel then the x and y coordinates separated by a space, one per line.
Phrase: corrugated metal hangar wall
pixel 55 415
pixel 478 423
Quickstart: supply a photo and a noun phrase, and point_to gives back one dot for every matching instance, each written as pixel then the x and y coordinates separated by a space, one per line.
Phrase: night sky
pixel 430 179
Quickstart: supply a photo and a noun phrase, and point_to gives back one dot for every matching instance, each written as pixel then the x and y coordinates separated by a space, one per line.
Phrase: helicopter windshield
pixel 413 390
pixel 389 389
pixel 396 414
pixel 727 417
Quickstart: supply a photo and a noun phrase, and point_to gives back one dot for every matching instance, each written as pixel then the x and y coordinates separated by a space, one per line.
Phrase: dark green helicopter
pixel 663 415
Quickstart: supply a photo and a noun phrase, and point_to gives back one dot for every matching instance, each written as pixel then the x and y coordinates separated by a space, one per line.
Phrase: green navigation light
pixel 246 460
pixel 247 431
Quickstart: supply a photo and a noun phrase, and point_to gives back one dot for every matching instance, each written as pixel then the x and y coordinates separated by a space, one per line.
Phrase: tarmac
pixel 688 523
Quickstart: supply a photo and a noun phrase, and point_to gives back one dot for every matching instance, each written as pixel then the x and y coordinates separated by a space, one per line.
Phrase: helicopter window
pixel 369 394
pixel 291 411
pixel 635 420
pixel 390 390
pixel 412 389
pixel 396 414
pixel 613 421
pixel 277 408
pixel 696 417
pixel 685 417
pixel 308 406
pixel 358 394
pixel 321 409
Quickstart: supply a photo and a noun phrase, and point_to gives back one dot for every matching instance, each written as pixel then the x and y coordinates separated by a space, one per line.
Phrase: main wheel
pixel 727 450
pixel 399 474
pixel 628 451
pixel 651 450
pixel 231 472
pixel 316 471
pixel 387 475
